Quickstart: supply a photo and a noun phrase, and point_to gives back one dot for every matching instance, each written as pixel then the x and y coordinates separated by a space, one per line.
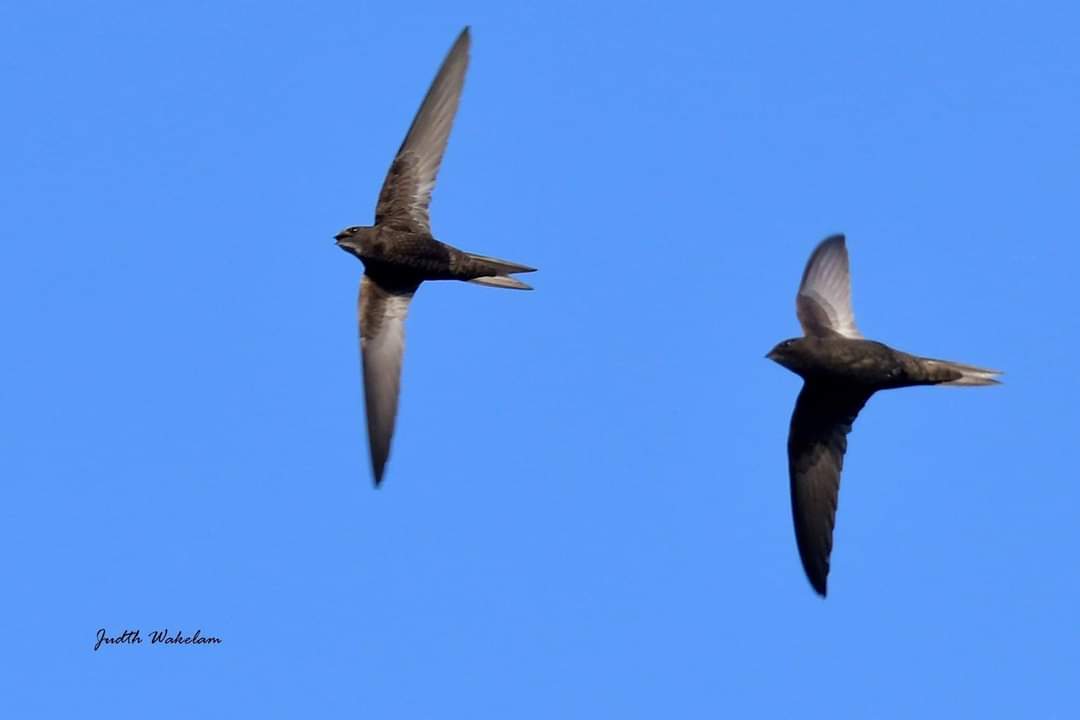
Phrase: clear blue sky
pixel 586 512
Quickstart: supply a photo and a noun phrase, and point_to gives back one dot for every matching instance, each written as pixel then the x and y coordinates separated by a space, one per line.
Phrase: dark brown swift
pixel 399 251
pixel 840 371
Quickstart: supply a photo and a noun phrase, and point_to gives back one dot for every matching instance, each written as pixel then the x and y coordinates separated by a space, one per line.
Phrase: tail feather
pixel 501 267
pixel 500 271
pixel 970 375
pixel 502 281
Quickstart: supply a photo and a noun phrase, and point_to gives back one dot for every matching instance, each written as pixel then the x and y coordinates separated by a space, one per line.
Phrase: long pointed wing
pixel 382 308
pixel 816 445
pixel 406 192
pixel 824 300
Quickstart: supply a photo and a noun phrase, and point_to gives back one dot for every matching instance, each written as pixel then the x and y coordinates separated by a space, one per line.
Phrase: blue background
pixel 586 511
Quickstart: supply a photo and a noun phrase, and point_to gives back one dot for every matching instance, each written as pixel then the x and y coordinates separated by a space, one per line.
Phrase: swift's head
pixel 792 354
pixel 349 239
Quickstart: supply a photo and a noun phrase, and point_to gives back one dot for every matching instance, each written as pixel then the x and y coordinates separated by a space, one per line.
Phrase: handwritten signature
pixel 162 637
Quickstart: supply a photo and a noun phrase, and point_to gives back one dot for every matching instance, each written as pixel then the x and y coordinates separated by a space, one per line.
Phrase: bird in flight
pixel 840 371
pixel 399 251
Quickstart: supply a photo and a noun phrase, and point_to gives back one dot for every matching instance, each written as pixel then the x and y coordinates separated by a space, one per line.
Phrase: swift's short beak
pixel 771 355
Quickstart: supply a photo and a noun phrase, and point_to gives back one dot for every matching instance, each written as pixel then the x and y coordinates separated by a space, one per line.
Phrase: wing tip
pixel 377 472
pixel 836 240
pixel 464 38
pixel 818 578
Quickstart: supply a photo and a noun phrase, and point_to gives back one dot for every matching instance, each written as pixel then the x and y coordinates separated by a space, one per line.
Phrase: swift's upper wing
pixel 406 192
pixel 824 300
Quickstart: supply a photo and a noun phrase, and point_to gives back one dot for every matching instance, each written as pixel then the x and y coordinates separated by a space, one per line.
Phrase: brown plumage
pixel 841 371
pixel 399 251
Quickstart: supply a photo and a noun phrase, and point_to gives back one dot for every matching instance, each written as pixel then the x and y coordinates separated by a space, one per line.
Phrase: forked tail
pixel 497 272
pixel 946 372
